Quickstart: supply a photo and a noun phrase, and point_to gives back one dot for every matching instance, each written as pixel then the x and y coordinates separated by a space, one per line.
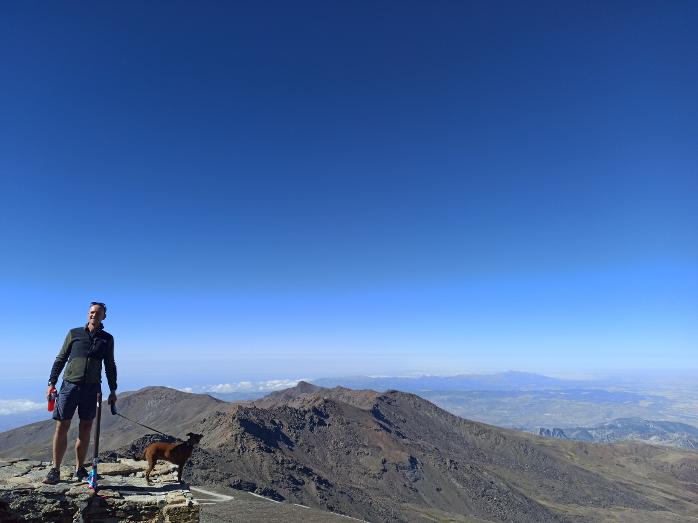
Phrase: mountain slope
pixel 168 410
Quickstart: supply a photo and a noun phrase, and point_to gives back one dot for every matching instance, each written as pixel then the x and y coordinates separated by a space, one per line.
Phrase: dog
pixel 177 453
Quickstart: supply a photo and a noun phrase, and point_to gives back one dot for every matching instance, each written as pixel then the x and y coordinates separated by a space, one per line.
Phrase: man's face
pixel 95 315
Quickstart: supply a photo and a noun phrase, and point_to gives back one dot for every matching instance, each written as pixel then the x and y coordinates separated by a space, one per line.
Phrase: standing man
pixel 83 350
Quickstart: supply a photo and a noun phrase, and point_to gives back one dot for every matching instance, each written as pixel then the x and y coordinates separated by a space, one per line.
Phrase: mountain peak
pixel 305 387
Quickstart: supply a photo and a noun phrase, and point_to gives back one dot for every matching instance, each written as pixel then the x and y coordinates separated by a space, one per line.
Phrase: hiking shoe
pixel 53 476
pixel 81 474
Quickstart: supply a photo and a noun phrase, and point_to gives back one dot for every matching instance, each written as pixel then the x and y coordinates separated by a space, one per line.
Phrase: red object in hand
pixel 52 399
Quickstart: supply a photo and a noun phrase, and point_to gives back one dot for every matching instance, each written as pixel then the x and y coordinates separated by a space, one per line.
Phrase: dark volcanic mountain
pixel 396 457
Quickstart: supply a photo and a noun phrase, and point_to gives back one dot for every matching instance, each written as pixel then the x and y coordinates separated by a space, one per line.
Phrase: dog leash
pixel 113 411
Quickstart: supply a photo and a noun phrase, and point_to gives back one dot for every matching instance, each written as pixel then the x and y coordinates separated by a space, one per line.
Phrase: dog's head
pixel 194 438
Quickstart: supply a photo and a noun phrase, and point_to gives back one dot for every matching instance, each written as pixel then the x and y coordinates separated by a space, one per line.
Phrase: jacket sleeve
pixel 62 357
pixel 110 366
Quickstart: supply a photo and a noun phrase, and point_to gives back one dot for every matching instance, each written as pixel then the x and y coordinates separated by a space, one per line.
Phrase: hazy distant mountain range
pixel 504 381
pixel 656 432
pixel 394 456
pixel 528 401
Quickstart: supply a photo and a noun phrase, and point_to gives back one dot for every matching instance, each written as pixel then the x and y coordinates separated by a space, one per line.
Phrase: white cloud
pixel 8 407
pixel 251 386
pixel 228 387
pixel 277 384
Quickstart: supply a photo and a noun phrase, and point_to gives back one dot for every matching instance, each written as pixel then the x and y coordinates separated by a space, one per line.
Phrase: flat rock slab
pixel 126 467
pixel 117 469
pixel 60 488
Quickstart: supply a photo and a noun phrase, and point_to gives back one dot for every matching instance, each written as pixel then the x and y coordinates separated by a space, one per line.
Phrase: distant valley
pixel 637 429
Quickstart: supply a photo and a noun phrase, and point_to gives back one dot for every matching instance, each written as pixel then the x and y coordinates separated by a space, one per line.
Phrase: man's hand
pixel 112 398
pixel 48 392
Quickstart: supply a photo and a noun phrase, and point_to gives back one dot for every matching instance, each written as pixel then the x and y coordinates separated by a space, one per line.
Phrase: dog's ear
pixel 190 434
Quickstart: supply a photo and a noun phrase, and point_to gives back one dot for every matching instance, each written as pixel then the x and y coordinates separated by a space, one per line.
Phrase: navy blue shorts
pixel 79 396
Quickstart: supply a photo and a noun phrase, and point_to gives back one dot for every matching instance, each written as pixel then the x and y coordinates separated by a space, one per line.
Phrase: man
pixel 83 350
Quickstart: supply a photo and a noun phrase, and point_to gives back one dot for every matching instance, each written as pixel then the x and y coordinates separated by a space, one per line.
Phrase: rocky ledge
pixel 123 495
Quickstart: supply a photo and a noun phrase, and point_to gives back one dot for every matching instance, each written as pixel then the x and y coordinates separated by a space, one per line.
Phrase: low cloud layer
pixel 9 407
pixel 246 386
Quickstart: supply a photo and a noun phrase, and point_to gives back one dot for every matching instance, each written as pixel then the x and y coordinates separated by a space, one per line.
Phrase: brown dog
pixel 177 453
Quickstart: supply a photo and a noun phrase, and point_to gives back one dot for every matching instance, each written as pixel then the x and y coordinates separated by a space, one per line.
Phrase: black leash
pixel 113 411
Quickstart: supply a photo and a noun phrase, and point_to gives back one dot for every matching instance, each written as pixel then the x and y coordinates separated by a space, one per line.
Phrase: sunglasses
pixel 100 304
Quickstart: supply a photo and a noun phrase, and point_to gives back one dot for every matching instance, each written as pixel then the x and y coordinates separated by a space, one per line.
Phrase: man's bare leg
pixel 82 443
pixel 60 441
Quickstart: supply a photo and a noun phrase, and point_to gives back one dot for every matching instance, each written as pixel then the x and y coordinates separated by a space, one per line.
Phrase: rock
pixel 117 469
pixel 181 513
pixel 121 495
pixel 60 488
pixel 107 493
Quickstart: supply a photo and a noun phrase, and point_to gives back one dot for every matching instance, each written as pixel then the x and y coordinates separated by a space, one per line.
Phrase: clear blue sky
pixel 302 189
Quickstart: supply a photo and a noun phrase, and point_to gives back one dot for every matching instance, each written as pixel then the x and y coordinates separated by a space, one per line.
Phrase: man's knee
pixel 85 426
pixel 62 426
